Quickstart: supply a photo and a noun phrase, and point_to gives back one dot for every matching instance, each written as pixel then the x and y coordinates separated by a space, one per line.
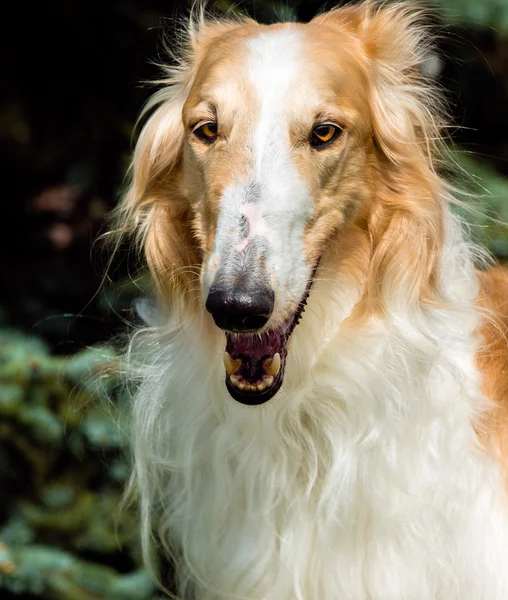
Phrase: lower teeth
pixel 245 386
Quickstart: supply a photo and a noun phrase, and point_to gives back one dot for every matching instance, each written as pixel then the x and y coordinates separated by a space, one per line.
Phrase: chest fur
pixel 379 494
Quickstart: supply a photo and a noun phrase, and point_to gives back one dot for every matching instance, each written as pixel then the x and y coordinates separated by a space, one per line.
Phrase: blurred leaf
pixel 477 13
pixel 486 205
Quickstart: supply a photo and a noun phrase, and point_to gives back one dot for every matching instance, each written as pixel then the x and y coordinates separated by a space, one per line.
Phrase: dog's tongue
pixel 253 361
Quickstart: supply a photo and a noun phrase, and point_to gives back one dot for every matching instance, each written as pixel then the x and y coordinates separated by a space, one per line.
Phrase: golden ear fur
pixel 405 226
pixel 397 41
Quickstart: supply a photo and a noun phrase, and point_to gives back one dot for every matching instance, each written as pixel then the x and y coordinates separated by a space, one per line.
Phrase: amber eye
pixel 206 132
pixel 323 135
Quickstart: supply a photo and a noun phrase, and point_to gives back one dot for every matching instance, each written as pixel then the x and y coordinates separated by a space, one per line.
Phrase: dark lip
pixel 258 398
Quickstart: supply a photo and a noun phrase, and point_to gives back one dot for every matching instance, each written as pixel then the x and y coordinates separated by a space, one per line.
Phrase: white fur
pixel 360 480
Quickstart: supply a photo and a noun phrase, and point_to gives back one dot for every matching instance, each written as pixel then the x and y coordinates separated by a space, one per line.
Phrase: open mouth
pixel 255 362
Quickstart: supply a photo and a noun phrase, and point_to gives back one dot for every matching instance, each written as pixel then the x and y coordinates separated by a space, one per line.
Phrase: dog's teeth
pixel 230 364
pixel 268 380
pixel 273 367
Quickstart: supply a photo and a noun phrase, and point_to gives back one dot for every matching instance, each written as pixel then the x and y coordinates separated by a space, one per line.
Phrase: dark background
pixel 71 90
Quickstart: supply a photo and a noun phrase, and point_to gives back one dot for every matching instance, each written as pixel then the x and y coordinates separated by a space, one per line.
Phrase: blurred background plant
pixel 71 92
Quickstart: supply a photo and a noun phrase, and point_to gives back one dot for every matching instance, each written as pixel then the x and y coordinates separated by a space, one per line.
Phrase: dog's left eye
pixel 324 134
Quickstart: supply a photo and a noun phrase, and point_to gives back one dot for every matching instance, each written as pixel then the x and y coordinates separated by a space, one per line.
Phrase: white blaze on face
pixel 273 204
pixel 273 72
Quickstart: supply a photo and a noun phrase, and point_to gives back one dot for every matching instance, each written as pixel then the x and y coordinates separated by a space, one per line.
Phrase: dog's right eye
pixel 206 132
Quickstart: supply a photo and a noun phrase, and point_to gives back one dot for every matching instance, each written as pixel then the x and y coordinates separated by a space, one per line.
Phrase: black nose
pixel 237 309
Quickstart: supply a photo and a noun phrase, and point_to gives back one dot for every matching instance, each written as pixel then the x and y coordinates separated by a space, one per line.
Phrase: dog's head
pixel 275 151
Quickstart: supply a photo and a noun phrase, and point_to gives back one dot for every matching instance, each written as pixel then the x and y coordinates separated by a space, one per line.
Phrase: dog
pixel 321 394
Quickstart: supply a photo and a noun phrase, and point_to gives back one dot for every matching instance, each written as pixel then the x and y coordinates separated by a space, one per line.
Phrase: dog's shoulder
pixel 493 354
pixel 493 301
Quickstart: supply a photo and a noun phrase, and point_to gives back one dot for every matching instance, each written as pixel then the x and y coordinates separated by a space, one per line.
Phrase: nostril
pixel 238 309
pixel 255 322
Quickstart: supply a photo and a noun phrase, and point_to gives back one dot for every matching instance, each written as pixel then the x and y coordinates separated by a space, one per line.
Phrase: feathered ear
pixel 406 222
pixel 406 108
pixel 154 209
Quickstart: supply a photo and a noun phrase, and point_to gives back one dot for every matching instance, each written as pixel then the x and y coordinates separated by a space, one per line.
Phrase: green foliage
pixel 486 203
pixel 51 573
pixel 63 444
pixel 477 13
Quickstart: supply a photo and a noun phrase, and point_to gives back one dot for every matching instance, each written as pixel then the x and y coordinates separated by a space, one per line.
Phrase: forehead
pixel 257 62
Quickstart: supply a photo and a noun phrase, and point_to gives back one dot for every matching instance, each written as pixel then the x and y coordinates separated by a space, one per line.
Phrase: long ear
pixel 154 210
pixel 406 222
pixel 153 214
